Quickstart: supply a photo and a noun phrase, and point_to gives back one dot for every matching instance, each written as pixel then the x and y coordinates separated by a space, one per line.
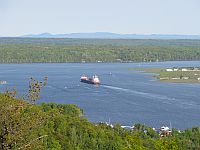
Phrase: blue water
pixel 125 97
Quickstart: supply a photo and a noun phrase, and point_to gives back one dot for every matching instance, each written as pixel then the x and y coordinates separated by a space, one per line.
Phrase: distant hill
pixel 108 35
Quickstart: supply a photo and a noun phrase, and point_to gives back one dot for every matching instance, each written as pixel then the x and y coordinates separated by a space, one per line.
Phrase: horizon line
pixel 70 33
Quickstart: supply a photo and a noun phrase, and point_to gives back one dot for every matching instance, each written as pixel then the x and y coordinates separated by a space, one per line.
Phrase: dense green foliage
pixel 28 50
pixel 58 126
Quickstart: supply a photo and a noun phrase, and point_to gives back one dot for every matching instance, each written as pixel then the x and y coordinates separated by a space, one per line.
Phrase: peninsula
pixel 175 74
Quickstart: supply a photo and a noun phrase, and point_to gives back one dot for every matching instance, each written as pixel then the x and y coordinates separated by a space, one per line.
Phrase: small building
pixel 175 78
pixel 185 78
pixel 163 128
pixel 175 69
pixel 128 127
pixel 184 69
pixel 169 69
pixel 165 131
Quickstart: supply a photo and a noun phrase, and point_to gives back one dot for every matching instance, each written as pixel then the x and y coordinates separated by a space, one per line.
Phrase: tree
pixel 35 87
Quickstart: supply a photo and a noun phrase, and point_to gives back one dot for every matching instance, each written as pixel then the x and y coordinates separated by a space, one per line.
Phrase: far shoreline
pixel 133 62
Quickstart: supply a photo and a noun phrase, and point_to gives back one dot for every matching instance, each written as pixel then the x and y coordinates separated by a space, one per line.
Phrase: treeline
pixel 30 50
pixel 59 126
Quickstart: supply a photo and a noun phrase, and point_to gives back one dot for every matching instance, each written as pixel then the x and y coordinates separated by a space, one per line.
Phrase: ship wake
pixel 161 98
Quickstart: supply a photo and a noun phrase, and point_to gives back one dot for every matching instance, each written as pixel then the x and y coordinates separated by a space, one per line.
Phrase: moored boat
pixel 3 82
pixel 93 80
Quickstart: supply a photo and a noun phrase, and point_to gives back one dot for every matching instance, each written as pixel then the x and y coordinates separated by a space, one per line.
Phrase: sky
pixel 22 17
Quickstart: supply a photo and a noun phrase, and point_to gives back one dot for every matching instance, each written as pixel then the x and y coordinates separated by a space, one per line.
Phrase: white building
pixel 175 69
pixel 184 69
pixel 169 69
pixel 174 78
pixel 163 128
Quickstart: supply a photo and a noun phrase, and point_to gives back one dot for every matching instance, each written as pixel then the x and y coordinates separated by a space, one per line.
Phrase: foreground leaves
pixel 58 126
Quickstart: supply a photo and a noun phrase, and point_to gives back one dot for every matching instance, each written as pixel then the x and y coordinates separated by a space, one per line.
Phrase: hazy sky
pixel 19 17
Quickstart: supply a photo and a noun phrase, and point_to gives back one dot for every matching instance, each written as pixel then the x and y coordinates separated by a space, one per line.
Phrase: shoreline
pixel 161 75
pixel 109 62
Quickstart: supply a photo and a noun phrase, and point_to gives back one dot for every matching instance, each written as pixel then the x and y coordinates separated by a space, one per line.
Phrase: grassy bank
pixel 178 76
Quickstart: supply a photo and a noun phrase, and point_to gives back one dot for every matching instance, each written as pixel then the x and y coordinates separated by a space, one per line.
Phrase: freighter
pixel 93 80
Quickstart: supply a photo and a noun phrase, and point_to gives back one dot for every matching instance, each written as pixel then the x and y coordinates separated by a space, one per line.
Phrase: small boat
pixel 3 82
pixel 93 80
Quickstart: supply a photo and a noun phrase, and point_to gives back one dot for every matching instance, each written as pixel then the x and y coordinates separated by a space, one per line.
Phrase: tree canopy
pixel 29 50
pixel 61 126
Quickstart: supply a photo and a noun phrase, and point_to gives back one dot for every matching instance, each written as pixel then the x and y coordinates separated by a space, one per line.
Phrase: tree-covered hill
pixel 59 126
pixel 38 50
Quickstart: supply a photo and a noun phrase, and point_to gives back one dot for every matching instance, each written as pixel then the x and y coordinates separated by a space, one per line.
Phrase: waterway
pixel 125 96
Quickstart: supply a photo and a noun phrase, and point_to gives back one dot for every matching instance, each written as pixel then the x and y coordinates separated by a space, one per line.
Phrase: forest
pixel 52 126
pixel 49 50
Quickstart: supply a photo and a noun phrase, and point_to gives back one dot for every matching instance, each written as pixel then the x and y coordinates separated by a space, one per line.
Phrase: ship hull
pixel 88 81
